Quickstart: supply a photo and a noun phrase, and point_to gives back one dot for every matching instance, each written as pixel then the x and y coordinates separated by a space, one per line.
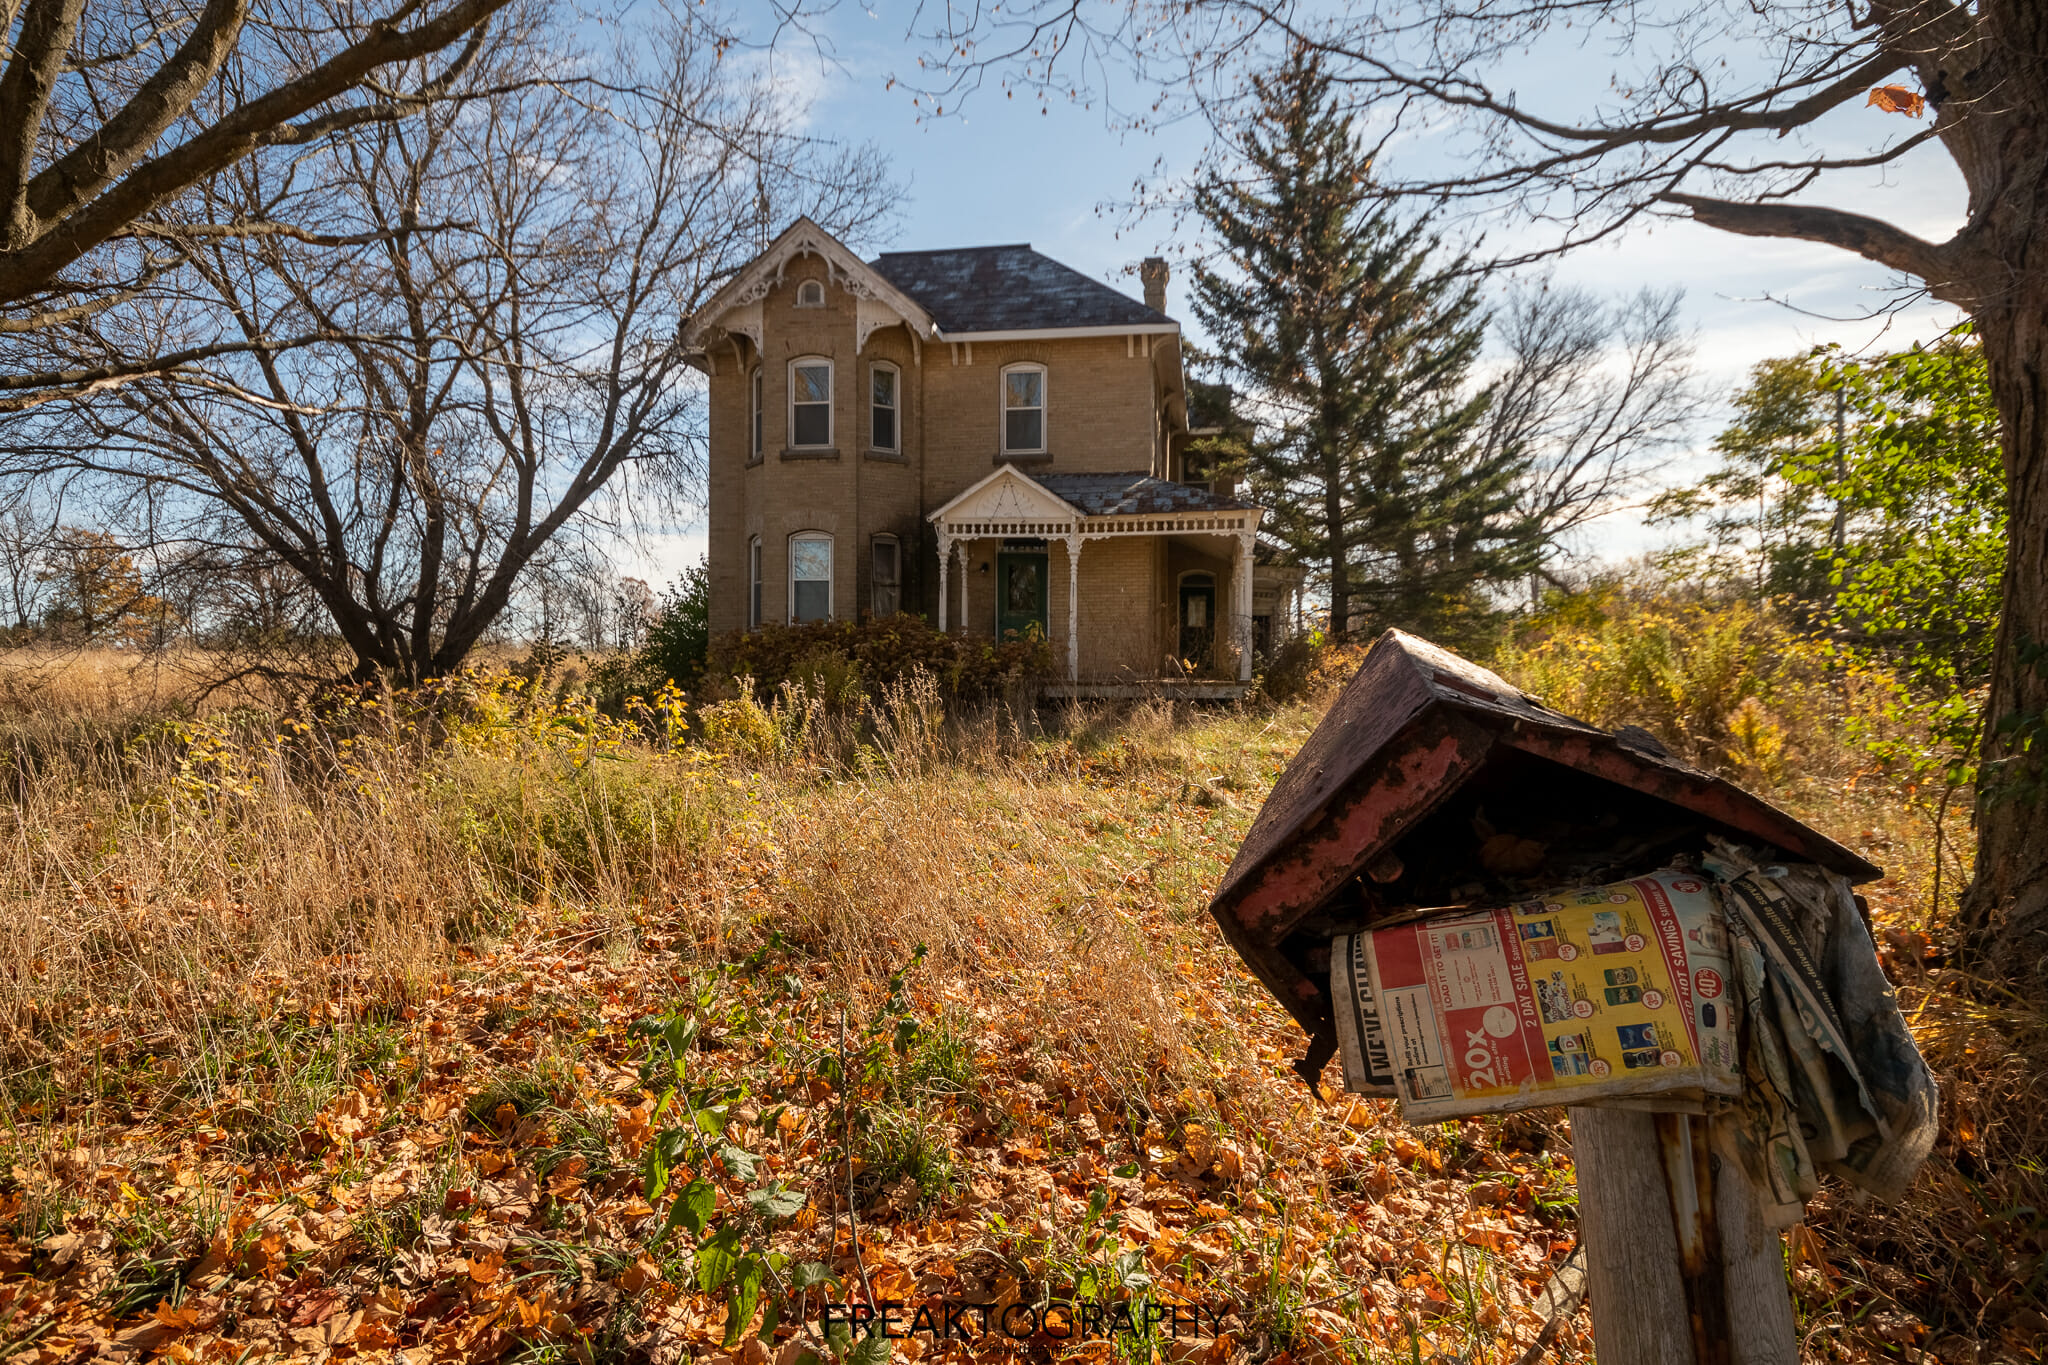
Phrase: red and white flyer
pixel 1610 991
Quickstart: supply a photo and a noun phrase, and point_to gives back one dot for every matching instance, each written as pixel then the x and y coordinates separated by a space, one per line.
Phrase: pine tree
pixel 1357 344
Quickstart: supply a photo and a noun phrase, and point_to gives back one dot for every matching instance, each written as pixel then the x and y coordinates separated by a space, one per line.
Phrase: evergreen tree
pixel 1356 345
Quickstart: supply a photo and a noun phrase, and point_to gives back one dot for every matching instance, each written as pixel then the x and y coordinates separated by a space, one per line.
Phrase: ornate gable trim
pixel 1009 494
pixel 742 295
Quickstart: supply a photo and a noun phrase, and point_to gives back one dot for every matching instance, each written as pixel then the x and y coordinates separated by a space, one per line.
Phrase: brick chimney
pixel 1154 273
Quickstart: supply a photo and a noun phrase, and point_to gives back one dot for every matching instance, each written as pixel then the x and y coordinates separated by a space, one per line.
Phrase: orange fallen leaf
pixel 1897 99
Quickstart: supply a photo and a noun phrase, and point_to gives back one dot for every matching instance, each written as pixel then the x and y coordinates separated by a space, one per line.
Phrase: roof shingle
pixel 1007 289
pixel 1132 495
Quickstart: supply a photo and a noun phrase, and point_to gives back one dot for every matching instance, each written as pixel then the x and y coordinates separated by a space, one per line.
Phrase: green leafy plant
pixel 687 1162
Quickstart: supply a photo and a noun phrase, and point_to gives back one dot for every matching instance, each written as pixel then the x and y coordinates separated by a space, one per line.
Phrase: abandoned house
pixel 988 439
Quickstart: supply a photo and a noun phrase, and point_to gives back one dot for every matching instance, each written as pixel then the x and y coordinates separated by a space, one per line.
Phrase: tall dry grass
pixel 178 882
pixel 189 884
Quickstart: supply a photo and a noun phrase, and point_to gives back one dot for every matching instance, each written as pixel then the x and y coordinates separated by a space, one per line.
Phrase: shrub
pixel 1728 686
pixel 1309 665
pixel 841 661
pixel 679 639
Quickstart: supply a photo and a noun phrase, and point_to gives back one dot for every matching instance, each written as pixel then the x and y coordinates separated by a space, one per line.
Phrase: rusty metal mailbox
pixel 1433 784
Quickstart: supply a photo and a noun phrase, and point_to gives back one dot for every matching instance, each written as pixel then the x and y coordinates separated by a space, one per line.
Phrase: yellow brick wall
pixel 849 493
pixel 1102 401
pixel 1099 409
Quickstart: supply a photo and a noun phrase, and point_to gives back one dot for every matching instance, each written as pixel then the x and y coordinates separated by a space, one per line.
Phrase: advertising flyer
pixel 1610 991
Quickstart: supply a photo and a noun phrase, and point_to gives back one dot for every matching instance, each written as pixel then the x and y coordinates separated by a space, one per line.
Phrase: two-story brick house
pixel 982 436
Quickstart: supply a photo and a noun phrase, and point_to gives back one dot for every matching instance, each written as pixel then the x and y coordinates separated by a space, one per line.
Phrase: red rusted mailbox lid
pixel 1433 783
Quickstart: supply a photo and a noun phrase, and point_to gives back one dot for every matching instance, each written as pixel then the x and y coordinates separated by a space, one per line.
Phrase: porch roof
pixel 1133 495
pixel 1011 502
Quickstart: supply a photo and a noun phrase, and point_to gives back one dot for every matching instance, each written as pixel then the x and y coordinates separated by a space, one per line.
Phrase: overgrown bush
pixel 1729 686
pixel 679 639
pixel 840 661
pixel 1310 664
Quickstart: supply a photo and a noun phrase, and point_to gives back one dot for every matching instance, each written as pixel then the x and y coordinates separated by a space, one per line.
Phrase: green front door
pixel 1020 594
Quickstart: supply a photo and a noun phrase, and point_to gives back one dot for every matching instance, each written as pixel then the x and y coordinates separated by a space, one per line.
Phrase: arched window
pixel 810 402
pixel 887 578
pixel 810 577
pixel 810 294
pixel 754 583
pixel 1024 410
pixel 884 403
pixel 757 411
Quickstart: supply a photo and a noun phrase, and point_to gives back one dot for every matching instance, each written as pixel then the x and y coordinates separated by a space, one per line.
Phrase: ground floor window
pixel 810 577
pixel 887 597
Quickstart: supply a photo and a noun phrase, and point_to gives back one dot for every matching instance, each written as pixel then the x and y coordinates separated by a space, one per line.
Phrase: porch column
pixel 1245 541
pixel 1074 607
pixel 945 562
pixel 966 577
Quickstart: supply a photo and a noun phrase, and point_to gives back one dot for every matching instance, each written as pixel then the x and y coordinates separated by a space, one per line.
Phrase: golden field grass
pixel 337 1032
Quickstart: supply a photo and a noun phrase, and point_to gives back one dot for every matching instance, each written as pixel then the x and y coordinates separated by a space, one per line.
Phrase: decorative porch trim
pixel 1010 503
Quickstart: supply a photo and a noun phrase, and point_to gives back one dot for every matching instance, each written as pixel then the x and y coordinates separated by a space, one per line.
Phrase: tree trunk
pixel 2005 910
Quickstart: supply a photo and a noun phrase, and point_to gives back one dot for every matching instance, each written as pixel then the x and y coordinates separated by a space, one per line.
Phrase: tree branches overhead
pixel 414 359
pixel 103 121
pixel 1704 105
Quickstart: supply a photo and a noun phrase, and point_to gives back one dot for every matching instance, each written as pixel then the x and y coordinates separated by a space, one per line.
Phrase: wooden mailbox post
pixel 1434 783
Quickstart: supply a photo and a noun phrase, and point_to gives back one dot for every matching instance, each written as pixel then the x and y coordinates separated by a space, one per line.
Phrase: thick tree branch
pixel 1871 238
pixel 27 268
pixel 25 90
pixel 49 385
pixel 170 90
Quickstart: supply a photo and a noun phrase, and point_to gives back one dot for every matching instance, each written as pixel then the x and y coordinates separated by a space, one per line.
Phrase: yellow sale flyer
pixel 1608 991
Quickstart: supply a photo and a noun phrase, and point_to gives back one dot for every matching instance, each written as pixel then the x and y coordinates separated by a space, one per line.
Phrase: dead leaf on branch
pixel 1897 99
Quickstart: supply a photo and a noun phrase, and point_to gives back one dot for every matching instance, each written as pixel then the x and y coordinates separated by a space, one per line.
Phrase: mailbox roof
pixel 1415 724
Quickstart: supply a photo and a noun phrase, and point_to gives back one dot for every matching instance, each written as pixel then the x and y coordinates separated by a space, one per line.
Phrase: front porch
pixel 1138 583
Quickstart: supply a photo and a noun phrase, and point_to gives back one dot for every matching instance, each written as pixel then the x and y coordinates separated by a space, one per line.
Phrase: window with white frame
pixel 757 410
pixel 883 385
pixel 810 294
pixel 1024 410
pixel 887 577
pixel 754 582
pixel 810 577
pixel 810 402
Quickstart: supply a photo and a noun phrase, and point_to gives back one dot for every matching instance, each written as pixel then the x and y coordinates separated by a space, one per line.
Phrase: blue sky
pixel 1000 170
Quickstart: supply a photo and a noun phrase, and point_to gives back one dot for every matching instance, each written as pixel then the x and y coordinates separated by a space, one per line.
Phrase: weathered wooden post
pixel 1433 796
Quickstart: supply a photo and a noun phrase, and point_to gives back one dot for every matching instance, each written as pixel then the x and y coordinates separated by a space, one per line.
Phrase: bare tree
pixel 499 357
pixel 26 533
pixel 1593 396
pixel 111 111
pixel 1712 109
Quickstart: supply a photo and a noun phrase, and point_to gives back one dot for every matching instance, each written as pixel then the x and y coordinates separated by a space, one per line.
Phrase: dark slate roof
pixel 1007 289
pixel 1132 495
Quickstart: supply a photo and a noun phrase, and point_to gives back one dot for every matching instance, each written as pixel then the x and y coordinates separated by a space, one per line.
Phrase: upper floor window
pixel 810 294
pixel 882 406
pixel 1024 410
pixel 757 410
pixel 888 576
pixel 754 582
pixel 810 402
pixel 810 577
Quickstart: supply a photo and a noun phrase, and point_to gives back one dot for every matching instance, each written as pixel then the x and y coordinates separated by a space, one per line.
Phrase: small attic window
pixel 810 294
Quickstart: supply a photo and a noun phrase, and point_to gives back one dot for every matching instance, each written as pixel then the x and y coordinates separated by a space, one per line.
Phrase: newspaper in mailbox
pixel 1609 992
